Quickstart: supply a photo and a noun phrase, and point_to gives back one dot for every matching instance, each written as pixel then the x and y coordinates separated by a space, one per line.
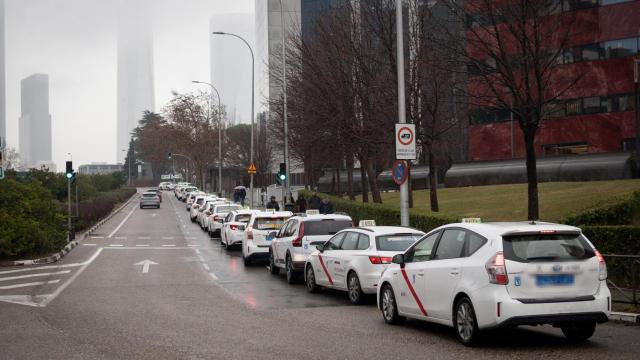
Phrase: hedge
pixel 622 213
pixel 92 210
pixel 383 215
pixel 620 239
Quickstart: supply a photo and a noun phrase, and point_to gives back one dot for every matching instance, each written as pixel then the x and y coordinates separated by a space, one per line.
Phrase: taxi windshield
pixel 271 223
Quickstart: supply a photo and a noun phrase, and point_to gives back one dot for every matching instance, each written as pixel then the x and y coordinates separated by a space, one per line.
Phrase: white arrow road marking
pixel 28 284
pixel 154 215
pixel 34 275
pixel 145 265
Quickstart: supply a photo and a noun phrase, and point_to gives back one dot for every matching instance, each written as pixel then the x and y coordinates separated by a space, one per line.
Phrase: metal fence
pixel 624 278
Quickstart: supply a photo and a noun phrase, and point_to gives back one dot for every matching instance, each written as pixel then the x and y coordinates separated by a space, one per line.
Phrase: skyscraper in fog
pixel 3 114
pixel 135 68
pixel 35 121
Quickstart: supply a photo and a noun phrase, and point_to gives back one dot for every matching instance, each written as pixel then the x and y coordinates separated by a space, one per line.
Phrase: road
pixel 198 301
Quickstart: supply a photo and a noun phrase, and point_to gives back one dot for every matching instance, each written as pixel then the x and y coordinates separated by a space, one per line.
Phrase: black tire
pixel 389 306
pixel 246 260
pixel 291 274
pixel 354 290
pixel 465 323
pixel 310 280
pixel 578 331
pixel 192 219
pixel 273 269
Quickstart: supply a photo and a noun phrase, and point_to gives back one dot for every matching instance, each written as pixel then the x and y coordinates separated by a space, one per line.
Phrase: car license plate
pixel 269 237
pixel 553 280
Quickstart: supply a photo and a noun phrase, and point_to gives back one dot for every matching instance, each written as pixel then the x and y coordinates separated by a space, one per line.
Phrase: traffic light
pixel 282 174
pixel 169 156
pixel 69 173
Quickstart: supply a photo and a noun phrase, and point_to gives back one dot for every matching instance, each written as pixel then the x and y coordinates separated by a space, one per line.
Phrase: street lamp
pixel 286 185
pixel 219 132
pixel 252 101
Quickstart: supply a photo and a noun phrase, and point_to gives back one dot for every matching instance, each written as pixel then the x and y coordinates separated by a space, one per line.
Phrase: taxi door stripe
pixel 413 292
pixel 325 269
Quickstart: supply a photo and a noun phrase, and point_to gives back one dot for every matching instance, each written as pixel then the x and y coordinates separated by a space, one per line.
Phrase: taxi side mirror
pixel 320 247
pixel 398 259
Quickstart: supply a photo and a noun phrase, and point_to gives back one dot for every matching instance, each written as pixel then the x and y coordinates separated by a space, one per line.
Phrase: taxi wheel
pixel 272 265
pixel 353 288
pixel 310 280
pixel 465 322
pixel 389 306
pixel 246 260
pixel 291 274
pixel 579 330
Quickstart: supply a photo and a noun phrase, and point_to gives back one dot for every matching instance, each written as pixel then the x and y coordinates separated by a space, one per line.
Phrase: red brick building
pixel 597 115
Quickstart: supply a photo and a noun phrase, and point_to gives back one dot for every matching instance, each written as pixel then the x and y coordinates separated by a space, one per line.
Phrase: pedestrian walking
pixel 314 202
pixel 326 207
pixel 301 204
pixel 273 204
pixel 242 195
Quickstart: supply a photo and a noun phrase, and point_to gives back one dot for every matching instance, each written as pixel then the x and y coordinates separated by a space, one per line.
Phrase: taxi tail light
pixel 297 242
pixel 233 227
pixel 376 260
pixel 250 233
pixel 216 218
pixel 497 270
pixel 603 266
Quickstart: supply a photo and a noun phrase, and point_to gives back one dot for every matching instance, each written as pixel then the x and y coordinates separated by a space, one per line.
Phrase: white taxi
pixel 233 227
pixel 353 259
pixel 298 238
pixel 213 223
pixel 475 276
pixel 261 229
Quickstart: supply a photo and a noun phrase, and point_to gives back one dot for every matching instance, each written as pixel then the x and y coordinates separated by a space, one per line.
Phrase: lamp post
pixel 286 185
pixel 69 202
pixel 252 103
pixel 219 132
pixel 402 111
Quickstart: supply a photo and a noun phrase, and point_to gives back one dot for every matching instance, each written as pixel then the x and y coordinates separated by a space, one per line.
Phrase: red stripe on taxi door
pixel 325 270
pixel 413 292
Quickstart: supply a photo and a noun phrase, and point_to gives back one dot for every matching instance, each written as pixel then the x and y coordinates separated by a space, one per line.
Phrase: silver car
pixel 150 199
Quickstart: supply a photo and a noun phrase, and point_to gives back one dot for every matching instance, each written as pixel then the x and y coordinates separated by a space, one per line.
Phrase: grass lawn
pixel 509 202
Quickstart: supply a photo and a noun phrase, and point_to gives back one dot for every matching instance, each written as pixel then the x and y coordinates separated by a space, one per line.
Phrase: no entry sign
pixel 405 142
pixel 400 171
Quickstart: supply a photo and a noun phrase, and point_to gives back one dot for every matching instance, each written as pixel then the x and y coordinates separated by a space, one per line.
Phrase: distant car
pixel 353 259
pixel 157 191
pixel 261 229
pixel 235 223
pixel 207 209
pixel 298 238
pixel 474 276
pixel 150 199
pixel 195 205
pixel 185 192
pixel 216 219
pixel 191 198
pixel 194 213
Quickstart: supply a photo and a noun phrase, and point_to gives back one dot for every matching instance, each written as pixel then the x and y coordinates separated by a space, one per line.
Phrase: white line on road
pixel 97 237
pixel 59 290
pixel 34 275
pixel 122 223
pixel 28 284
pixel 197 251
pixel 206 267
pixel 116 245
pixel 143 245
pixel 193 245
pixel 89 244
pixel 41 268
pixel 215 278
pixel 168 245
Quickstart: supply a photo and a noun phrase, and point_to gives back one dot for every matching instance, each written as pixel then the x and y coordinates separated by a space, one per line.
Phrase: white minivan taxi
pixel 474 276
pixel 261 229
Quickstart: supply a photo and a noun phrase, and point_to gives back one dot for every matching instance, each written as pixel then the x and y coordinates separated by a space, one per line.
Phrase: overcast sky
pixel 74 42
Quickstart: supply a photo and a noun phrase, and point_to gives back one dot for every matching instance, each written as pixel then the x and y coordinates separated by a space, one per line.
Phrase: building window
pixel 620 48
pixel 592 105
pixel 565 149
pixel 574 107
pixel 623 102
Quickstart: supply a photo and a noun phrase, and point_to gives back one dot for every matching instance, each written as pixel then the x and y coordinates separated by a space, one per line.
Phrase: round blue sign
pixel 400 171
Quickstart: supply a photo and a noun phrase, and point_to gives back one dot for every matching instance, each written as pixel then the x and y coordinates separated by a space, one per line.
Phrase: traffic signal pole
pixel 69 207
pixel 402 116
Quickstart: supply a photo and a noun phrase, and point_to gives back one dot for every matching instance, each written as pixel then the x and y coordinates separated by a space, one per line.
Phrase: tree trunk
pixel 433 182
pixel 410 185
pixel 339 178
pixel 333 182
pixel 533 211
pixel 363 180
pixel 350 177
pixel 373 183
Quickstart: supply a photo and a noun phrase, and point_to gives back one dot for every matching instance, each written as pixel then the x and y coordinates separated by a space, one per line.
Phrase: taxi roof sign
pixel 471 221
pixel 362 223
pixel 312 212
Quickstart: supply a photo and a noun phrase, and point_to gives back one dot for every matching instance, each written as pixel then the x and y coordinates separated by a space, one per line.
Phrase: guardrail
pixel 624 278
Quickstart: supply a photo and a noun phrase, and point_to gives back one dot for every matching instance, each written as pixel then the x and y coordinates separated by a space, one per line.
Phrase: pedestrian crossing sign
pixel 252 168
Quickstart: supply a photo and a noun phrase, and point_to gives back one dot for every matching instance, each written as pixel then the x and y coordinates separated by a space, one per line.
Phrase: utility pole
pixel 287 185
pixel 404 188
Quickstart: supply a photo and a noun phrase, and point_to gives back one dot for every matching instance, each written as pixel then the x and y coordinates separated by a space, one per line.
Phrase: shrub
pixel 622 213
pixel 620 240
pixel 30 223
pixel 92 210
pixel 383 215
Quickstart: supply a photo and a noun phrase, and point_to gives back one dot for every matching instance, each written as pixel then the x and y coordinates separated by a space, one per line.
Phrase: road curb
pixel 59 255
pixel 625 317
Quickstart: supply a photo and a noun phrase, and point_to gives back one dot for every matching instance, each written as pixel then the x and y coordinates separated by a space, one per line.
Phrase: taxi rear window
pixel 270 223
pixel 396 242
pixel 546 247
pixel 224 209
pixel 325 226
pixel 243 218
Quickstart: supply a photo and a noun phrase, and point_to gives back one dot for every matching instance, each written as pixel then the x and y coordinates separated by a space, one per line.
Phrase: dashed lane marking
pixel 122 223
pixel 168 245
pixel 116 245
pixel 97 237
pixel 193 245
pixel 205 266
pixel 89 244
pixel 37 283
pixel 198 251
pixel 35 275
pixel 215 278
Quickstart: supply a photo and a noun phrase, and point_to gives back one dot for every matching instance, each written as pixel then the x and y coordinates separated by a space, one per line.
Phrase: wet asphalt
pixel 197 300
